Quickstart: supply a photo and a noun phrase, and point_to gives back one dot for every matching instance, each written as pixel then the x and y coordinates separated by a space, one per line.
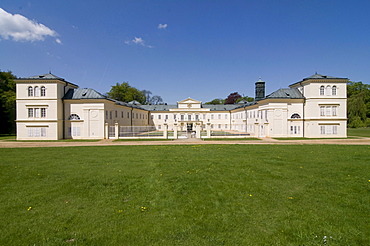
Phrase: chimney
pixel 260 90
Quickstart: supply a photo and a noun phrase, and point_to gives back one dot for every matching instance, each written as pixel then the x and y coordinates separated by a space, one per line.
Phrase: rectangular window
pixel 128 115
pixel 335 129
pixel 212 126
pixel 166 117
pixel 322 111
pixel 174 116
pixel 196 117
pixel 182 117
pixel 189 116
pixel 322 129
pixel 159 117
pixel 334 110
pixel 37 112
pixel 328 110
pixel 122 114
pixel 291 129
pixel 159 127
pixel 212 116
pixel 110 114
pixel 328 129
pixel 43 112
pixel 30 114
pixel 106 115
pixel 219 116
pixel 43 131
pixel 225 126
pixel 30 131
pixel 36 132
pixel 265 114
pixel 225 116
pixel 116 114
pixel 204 116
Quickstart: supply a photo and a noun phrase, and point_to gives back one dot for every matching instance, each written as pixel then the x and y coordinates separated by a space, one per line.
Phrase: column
pixel 116 130
pixel 106 128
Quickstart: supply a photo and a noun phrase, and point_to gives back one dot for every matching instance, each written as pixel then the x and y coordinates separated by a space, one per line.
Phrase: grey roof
pixel 286 93
pixel 44 76
pixel 160 107
pixel 220 107
pixel 318 76
pixel 47 76
pixel 83 94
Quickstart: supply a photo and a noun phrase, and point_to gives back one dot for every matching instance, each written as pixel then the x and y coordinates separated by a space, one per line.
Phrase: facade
pixel 50 108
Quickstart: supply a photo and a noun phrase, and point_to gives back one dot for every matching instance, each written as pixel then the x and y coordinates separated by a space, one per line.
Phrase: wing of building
pixel 51 108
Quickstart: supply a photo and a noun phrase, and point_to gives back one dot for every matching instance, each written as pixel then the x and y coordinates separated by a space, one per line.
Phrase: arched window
pixel 328 90
pixel 43 91
pixel 37 91
pixel 334 90
pixel 74 117
pixel 30 91
pixel 322 90
pixel 295 116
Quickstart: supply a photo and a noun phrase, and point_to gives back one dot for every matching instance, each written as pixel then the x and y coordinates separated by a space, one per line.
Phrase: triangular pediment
pixel 189 103
pixel 189 100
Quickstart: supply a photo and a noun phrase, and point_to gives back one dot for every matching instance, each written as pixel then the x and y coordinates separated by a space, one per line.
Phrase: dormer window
pixel 30 91
pixel 37 91
pixel 43 91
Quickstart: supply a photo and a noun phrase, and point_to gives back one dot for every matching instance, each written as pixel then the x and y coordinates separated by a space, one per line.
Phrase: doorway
pixel 189 127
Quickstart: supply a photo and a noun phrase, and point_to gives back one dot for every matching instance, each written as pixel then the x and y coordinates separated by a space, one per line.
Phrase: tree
pixel 152 99
pixel 245 99
pixel 125 93
pixel 216 101
pixel 7 102
pixel 358 102
pixel 156 100
pixel 231 99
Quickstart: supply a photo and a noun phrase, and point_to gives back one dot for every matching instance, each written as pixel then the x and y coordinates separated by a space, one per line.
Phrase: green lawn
pixel 186 195
pixel 359 132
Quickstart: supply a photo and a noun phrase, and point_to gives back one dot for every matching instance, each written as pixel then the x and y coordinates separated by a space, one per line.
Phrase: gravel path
pixel 111 142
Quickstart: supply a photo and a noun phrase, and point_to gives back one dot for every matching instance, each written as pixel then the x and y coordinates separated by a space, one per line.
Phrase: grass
pixel 7 137
pixel 230 139
pixel 185 195
pixel 141 139
pixel 359 132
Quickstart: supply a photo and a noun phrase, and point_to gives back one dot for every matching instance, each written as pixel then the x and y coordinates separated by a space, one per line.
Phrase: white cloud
pixel 58 41
pixel 138 41
pixel 19 28
pixel 162 26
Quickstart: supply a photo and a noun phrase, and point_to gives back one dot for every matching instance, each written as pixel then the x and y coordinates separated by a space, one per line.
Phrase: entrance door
pixel 189 127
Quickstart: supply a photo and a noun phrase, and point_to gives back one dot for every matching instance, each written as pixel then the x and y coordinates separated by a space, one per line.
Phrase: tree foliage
pixel 125 93
pixel 232 98
pixel 216 101
pixel 245 99
pixel 358 104
pixel 7 103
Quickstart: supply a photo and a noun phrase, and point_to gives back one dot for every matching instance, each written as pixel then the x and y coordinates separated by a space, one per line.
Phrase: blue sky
pixel 179 49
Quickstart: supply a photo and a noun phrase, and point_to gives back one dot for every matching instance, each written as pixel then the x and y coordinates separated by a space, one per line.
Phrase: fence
pixel 229 134
pixel 139 132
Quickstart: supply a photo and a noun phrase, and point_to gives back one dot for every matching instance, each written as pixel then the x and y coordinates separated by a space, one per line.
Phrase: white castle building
pixel 51 108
